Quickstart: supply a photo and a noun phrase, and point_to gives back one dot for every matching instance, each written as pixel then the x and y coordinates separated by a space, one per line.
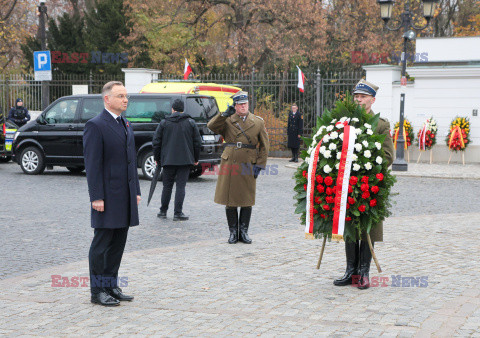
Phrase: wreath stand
pixel 463 157
pixel 431 156
pixel 369 244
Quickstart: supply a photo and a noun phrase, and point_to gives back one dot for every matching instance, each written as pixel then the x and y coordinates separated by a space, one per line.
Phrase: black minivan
pixel 55 138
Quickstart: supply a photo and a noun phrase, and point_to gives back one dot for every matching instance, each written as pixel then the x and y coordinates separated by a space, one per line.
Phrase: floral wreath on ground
pixel 407 133
pixel 370 181
pixel 427 135
pixel 458 136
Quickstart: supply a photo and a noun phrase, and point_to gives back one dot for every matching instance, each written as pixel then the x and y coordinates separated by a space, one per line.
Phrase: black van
pixel 55 138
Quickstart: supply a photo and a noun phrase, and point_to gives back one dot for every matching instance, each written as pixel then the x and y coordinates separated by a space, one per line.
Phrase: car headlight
pixel 16 135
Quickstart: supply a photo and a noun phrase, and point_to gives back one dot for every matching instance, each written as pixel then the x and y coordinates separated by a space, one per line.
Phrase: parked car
pixel 55 138
pixel 7 132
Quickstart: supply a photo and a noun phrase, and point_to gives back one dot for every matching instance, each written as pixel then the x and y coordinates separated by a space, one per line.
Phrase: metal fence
pixel 271 95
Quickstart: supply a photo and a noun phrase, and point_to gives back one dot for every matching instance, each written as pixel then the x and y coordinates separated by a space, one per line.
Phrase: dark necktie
pixel 120 120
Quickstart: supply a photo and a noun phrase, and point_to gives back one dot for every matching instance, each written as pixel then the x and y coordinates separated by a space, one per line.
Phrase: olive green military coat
pixel 383 127
pixel 236 184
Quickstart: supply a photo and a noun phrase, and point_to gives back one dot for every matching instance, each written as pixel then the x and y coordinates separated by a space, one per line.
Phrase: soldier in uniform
pixel 245 154
pixel 358 253
pixel 294 131
pixel 19 114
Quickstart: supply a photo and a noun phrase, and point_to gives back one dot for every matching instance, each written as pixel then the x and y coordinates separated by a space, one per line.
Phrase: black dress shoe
pixel 291 160
pixel 180 217
pixel 104 299
pixel 118 294
pixel 162 214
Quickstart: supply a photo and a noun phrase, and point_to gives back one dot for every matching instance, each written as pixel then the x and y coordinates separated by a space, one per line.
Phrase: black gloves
pixel 229 112
pixel 256 171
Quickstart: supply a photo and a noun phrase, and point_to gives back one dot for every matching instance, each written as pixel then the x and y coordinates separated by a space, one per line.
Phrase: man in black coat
pixel 19 114
pixel 294 131
pixel 110 163
pixel 176 147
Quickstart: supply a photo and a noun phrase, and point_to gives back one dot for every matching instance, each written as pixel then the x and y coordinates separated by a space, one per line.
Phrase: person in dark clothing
pixel 176 147
pixel 19 114
pixel 294 131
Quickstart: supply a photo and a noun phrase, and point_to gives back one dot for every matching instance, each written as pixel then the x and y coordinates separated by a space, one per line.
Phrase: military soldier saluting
pixel 358 252
pixel 294 131
pixel 245 154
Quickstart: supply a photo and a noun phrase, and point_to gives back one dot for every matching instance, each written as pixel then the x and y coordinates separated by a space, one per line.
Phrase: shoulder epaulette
pixel 258 117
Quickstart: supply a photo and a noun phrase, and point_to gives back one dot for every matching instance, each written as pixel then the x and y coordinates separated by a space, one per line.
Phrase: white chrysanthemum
pixel 332 146
pixel 333 135
pixel 358 131
pixel 322 149
pixel 309 151
pixel 354 157
pixel 327 169
pixel 369 132
pixel 379 160
pixel 378 145
pixel 330 128
pixel 368 166
pixel 355 119
pixel 337 165
pixel 340 126
pixel 334 121
pixel 307 159
pixel 367 154
pixel 326 138
pixel 365 144
pixel 327 154
pixel 358 147
pixel 343 119
pixel 366 125
pixel 340 136
pixel 355 167
pixel 339 155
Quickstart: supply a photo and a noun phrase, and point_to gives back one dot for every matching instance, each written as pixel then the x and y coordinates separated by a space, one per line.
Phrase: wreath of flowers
pixel 458 135
pixel 370 179
pixel 408 135
pixel 430 129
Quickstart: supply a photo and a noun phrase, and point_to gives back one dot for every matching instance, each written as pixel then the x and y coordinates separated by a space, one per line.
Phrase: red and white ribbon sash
pixel 421 138
pixel 312 169
pixel 343 178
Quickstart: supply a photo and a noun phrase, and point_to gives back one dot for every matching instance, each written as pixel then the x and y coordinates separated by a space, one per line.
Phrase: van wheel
pixel 76 170
pixel 149 166
pixel 32 161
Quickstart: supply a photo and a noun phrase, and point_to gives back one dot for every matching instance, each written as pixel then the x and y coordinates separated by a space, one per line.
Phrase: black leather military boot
pixel 245 213
pixel 351 252
pixel 232 219
pixel 364 270
pixel 296 155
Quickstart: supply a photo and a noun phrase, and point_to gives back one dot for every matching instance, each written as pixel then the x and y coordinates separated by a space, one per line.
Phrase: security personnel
pixel 358 253
pixel 245 154
pixel 294 131
pixel 19 114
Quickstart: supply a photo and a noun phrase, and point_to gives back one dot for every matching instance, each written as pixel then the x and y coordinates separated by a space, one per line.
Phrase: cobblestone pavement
pixel 188 281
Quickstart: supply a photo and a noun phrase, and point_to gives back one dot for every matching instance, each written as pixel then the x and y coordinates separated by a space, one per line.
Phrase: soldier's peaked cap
pixel 240 97
pixel 365 87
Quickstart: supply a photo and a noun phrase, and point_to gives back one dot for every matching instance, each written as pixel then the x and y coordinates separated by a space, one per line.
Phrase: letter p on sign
pixel 42 66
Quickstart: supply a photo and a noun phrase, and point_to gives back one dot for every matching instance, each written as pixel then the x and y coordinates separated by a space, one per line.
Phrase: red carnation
pixel 348 206
pixel 364 187
pixel 315 211
pixel 351 200
pixel 329 191
pixel 348 218
pixel 304 173
pixel 362 208
pixel 323 216
pixel 375 189
pixel 326 207
pixel 365 195
pixel 329 199
pixel 305 187
pixel 319 179
pixel 350 189
pixel 433 135
pixel 328 180
pixel 353 180
pixel 318 200
pixel 373 202
pixel 379 176
pixel 320 188
pixel 365 179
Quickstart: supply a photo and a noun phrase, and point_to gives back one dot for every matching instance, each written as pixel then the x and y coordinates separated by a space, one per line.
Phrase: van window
pixel 201 108
pixel 148 109
pixel 62 112
pixel 91 108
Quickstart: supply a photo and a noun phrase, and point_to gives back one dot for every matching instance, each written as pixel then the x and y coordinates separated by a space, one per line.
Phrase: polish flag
pixel 187 70
pixel 301 80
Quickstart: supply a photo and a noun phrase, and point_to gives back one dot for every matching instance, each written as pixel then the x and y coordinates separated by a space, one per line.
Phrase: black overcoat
pixel 294 128
pixel 111 166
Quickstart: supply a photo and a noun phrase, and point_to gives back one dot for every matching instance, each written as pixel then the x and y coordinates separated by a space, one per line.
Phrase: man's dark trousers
pixel 105 255
pixel 177 174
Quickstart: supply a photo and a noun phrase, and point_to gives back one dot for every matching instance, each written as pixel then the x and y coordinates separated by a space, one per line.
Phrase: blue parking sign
pixel 42 66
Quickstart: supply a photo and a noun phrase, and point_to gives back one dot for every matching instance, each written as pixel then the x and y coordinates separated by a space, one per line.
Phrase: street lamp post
pixel 406 22
pixel 42 12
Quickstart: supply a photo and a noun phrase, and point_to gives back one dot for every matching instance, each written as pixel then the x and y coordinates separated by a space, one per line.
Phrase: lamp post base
pixel 399 165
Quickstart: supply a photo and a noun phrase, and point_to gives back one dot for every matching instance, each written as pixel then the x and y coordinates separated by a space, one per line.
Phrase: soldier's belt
pixel 240 145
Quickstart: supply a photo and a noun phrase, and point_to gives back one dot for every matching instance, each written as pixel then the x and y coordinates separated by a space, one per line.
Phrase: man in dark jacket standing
pixel 294 131
pixel 111 166
pixel 176 147
pixel 19 114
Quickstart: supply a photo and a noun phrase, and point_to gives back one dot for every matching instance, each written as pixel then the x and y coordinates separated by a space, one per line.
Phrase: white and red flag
pixel 187 70
pixel 301 80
